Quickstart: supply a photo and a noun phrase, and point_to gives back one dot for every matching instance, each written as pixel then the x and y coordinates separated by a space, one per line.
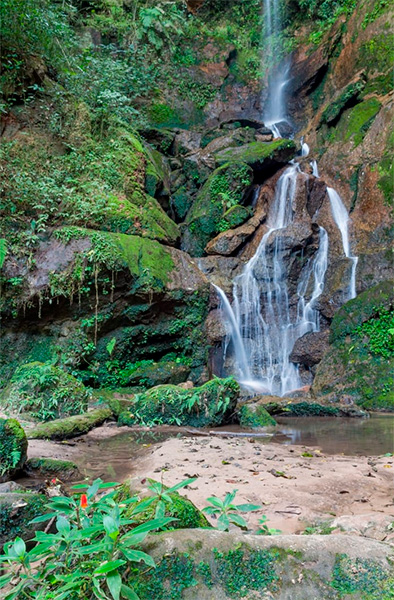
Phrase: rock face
pixel 310 348
pixel 17 509
pixel 223 565
pixel 358 367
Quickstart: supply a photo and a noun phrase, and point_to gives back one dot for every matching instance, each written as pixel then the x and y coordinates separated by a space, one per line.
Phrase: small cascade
pixel 315 170
pixel 304 148
pixel 341 218
pixel 275 109
pixel 263 328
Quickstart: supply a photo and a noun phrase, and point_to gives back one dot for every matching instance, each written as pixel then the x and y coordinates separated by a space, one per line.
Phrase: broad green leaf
pixel 215 501
pixel 19 548
pixel 211 510
pixel 223 523
pixel 109 566
pixel 180 485
pixel 248 507
pixel 160 510
pixel 229 498
pixel 138 556
pixel 238 520
pixel 62 525
pixel 43 518
pixel 128 593
pixel 110 525
pixel 114 582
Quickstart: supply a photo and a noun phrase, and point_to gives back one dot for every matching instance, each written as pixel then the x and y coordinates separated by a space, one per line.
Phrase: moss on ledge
pixel 63 429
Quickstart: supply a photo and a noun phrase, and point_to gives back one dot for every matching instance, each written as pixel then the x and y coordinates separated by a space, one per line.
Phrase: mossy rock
pixel 359 366
pixel 255 416
pixel 51 467
pixel 159 373
pixel 44 392
pixel 63 429
pixel 224 189
pixel 349 94
pixel 181 508
pixel 355 122
pixel 207 405
pixel 360 309
pixel 259 155
pixel 13 448
pixel 16 512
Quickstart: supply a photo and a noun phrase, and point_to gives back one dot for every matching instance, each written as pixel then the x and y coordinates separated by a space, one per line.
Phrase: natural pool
pixel 117 456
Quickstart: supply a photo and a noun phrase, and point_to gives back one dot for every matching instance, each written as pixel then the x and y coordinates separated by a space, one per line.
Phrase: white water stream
pixel 263 324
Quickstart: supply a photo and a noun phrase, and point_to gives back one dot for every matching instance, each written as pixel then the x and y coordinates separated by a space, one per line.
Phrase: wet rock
pixel 258 155
pixel 309 349
pixel 51 467
pixel 215 326
pixel 221 271
pixel 227 242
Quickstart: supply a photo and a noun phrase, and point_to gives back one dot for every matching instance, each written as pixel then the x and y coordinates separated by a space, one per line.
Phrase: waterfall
pixel 315 170
pixel 304 148
pixel 341 218
pixel 275 110
pixel 263 328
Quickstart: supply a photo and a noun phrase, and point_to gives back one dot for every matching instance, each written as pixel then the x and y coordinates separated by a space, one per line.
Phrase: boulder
pixel 44 392
pixel 51 467
pixel 227 242
pixel 207 405
pixel 225 188
pixel 13 448
pixel 260 156
pixel 254 415
pixel 309 349
pixel 206 564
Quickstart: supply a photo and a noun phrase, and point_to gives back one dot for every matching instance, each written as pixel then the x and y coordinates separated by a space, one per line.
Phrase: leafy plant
pixel 227 512
pixel 162 494
pixel 264 529
pixel 88 555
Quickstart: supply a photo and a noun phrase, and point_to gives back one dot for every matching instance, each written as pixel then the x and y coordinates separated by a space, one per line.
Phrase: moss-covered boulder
pixel 17 509
pixel 158 373
pixel 51 467
pixel 254 415
pixel 63 429
pixel 207 405
pixel 225 188
pixel 180 508
pixel 259 155
pixel 359 366
pixel 45 392
pixel 13 448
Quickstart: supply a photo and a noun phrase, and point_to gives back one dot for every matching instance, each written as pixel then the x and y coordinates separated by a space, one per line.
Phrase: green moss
pixel 16 521
pixel 223 190
pixel 255 415
pixel 386 172
pixel 49 467
pixel 256 154
pixel 376 54
pixel 234 216
pixel 333 110
pixel 355 122
pixel 3 251
pixel 163 115
pixel 172 575
pixel 362 577
pixel 63 429
pixel 13 447
pixel 45 392
pixel 201 406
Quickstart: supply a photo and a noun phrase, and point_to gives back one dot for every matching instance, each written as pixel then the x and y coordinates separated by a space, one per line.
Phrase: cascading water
pixel 263 327
pixel 341 218
pixel 275 110
pixel 263 320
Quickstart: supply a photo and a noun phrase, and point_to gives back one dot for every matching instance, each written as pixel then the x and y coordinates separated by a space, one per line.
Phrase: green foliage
pixel 205 405
pixel 379 333
pixel 87 555
pixel 226 512
pixel 323 14
pixel 45 392
pixel 13 447
pixel 361 576
pixel 378 9
pixel 163 501
pixel 349 94
pixel 264 529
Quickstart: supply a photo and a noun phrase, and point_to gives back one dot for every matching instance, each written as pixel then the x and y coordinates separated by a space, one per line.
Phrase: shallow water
pixel 117 457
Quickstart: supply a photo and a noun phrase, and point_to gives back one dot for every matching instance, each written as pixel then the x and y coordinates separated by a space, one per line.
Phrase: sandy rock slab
pixel 214 565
